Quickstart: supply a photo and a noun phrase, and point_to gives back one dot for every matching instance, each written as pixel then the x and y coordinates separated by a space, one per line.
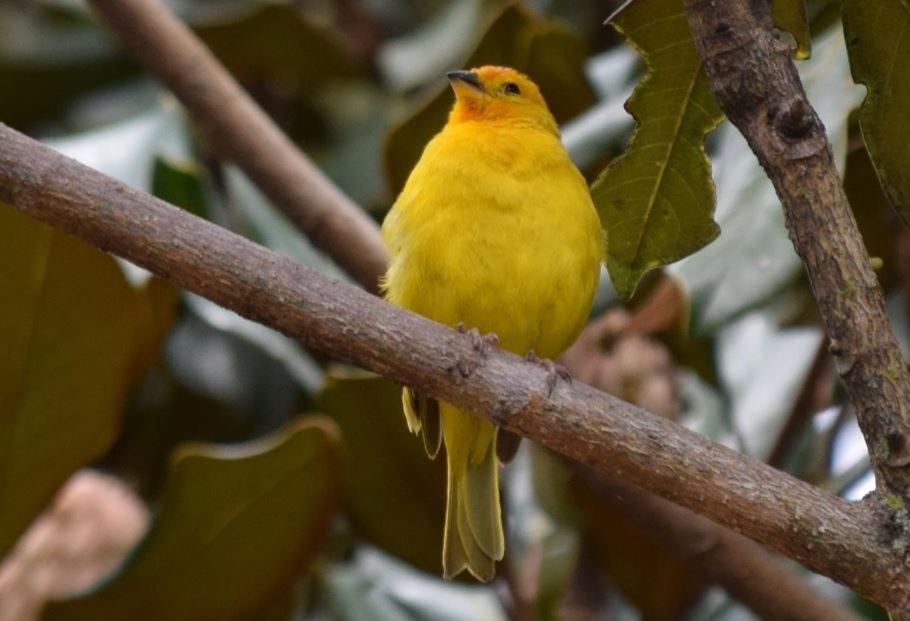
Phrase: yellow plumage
pixel 494 229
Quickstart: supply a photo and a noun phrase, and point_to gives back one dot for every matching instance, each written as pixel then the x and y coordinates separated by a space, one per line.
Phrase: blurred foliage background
pixel 224 472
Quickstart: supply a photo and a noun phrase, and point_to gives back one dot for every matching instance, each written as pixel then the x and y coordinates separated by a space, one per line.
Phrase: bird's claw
pixel 555 371
pixel 482 343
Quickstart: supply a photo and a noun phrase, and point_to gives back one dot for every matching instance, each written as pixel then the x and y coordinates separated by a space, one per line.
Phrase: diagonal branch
pixel 757 85
pixel 806 404
pixel 825 533
pixel 243 133
pixel 769 588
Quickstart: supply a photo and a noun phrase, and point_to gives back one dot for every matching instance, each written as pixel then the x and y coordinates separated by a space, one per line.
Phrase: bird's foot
pixel 555 371
pixel 482 343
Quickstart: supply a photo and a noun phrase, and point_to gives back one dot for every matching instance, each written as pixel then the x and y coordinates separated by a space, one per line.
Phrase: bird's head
pixel 498 94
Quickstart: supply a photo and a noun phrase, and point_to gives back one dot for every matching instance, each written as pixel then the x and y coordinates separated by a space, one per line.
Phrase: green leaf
pixel 75 335
pixel 878 42
pixel 237 525
pixel 656 200
pixel 868 610
pixel 388 475
pixel 552 55
pixel 276 42
pixel 156 304
pixel 790 16
pixel 179 183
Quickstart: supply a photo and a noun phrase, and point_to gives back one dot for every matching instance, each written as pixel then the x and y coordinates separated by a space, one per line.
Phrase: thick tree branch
pixel 757 85
pixel 243 133
pixel 825 533
pixel 751 575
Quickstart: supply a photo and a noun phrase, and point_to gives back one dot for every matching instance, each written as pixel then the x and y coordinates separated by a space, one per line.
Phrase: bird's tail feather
pixel 422 414
pixel 474 537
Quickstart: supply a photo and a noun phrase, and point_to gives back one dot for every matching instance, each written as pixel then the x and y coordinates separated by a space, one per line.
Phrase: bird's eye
pixel 512 88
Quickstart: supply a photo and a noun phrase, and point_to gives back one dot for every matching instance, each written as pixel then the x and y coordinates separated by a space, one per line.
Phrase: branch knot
pixel 793 120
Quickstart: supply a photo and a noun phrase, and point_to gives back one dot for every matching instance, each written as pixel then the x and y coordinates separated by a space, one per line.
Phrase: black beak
pixel 468 77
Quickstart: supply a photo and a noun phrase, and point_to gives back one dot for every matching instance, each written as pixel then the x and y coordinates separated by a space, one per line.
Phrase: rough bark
pixel 757 85
pixel 825 533
pixel 244 134
pixel 753 77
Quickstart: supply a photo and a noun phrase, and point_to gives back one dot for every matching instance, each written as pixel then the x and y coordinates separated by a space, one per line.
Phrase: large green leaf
pixel 656 200
pixel 237 525
pixel 388 475
pixel 75 335
pixel 547 51
pixel 878 41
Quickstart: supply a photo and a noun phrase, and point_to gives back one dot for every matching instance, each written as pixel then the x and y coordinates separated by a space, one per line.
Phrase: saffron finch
pixel 494 230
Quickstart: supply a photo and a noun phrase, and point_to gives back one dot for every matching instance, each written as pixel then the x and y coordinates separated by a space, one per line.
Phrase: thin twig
pixel 243 133
pixel 804 406
pixel 825 533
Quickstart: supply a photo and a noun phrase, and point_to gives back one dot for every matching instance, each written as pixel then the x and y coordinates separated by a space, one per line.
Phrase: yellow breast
pixel 495 228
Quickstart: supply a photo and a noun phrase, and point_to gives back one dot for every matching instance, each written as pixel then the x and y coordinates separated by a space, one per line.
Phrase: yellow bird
pixel 494 230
